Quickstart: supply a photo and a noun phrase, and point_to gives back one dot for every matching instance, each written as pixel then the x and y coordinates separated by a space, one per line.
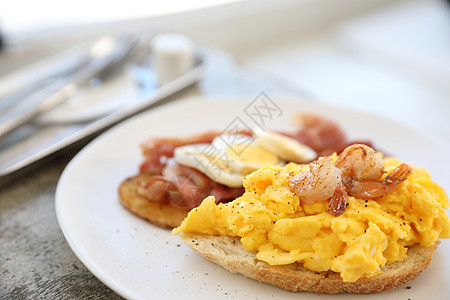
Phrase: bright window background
pixel 21 16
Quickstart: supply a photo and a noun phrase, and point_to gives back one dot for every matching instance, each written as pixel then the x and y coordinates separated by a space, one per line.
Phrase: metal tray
pixel 50 134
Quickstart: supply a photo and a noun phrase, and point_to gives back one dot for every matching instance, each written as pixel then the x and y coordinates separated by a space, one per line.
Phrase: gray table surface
pixel 35 260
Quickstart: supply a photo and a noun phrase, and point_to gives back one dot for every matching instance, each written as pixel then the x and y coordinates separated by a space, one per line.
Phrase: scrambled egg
pixel 271 221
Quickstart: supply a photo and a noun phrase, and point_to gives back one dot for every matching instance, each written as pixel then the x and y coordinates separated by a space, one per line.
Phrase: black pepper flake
pixel 365 205
pixel 366 201
pixel 196 244
pixel 404 223
pixel 408 287
pixel 347 204
pixel 420 220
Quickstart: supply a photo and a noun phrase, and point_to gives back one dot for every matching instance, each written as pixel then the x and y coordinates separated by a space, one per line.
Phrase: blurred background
pixel 388 57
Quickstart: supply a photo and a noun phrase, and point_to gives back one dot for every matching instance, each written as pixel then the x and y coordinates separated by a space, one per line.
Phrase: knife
pixel 107 54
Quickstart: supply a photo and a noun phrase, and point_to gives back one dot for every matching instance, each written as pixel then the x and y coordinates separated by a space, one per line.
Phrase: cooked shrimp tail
pixel 399 174
pixel 372 189
pixel 338 202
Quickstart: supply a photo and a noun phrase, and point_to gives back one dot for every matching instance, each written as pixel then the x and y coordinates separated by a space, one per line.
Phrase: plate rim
pixel 188 101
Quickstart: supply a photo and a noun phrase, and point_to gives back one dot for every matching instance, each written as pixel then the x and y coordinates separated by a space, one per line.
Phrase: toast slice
pixel 163 215
pixel 229 253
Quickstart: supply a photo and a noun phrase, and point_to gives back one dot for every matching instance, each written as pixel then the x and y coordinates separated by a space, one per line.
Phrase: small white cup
pixel 173 55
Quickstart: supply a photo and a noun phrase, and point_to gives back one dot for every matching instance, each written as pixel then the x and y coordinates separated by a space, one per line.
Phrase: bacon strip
pixel 224 194
pixel 154 189
pixel 320 133
pixel 157 150
pixel 186 187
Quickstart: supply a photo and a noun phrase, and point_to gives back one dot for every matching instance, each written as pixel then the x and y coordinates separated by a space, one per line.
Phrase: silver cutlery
pixel 106 55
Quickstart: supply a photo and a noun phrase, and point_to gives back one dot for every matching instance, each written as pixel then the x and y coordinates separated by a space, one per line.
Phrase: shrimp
pixel 338 202
pixel 357 172
pixel 362 170
pixel 318 183
pixel 360 162
pixel 372 189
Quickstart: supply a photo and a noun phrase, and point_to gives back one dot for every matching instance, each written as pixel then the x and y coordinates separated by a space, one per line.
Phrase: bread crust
pixel 229 253
pixel 164 215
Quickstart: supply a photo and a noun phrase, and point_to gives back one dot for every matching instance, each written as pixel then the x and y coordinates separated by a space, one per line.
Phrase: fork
pixel 107 54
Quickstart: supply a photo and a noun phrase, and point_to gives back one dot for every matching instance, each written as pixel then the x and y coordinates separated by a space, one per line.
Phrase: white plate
pixel 97 100
pixel 141 261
